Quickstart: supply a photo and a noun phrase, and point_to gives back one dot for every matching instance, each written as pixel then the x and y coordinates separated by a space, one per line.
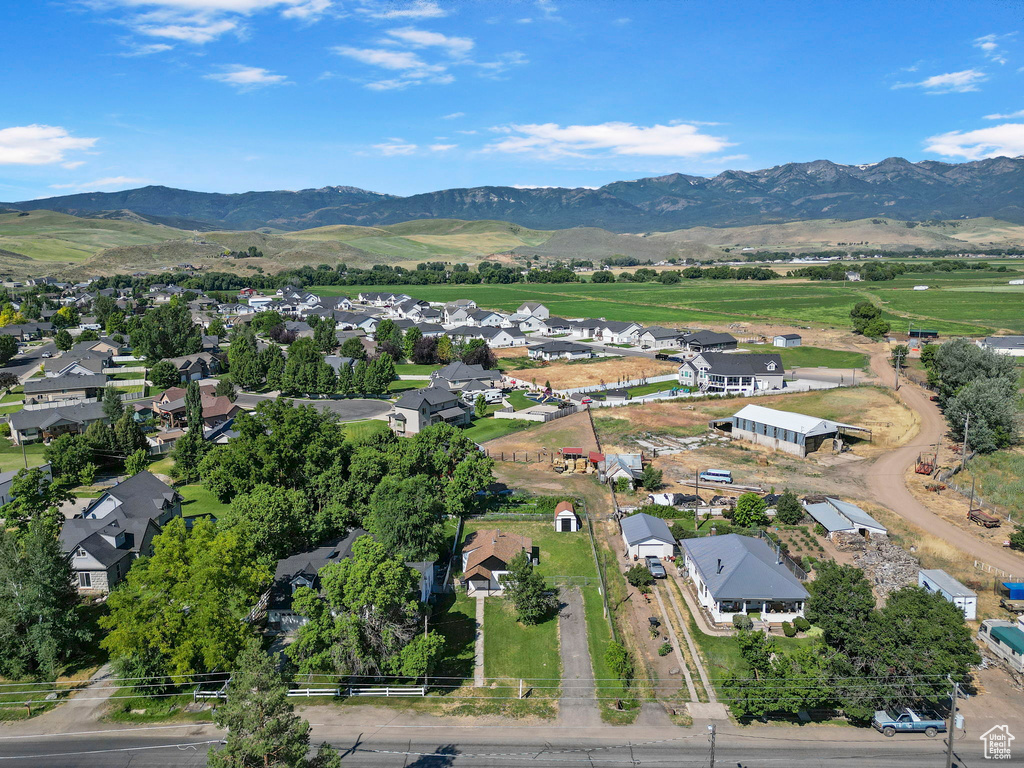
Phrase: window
pixel 85 579
pixel 80 552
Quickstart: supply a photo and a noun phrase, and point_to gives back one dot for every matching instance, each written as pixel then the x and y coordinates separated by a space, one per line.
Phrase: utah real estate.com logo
pixel 997 742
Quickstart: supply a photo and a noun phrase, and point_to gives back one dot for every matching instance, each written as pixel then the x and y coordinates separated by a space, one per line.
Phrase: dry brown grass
pixel 593 374
pixel 569 431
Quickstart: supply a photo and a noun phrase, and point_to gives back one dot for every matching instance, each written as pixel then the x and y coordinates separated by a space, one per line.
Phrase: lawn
pixel 360 430
pixel 482 430
pixel 518 400
pixel 200 502
pixel 811 357
pixel 11 456
pixel 515 651
pixel 454 616
pixel 404 385
pixel 411 369
pixel 650 389
pixel 559 554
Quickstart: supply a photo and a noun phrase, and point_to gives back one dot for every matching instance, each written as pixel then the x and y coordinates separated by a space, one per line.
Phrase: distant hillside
pixel 594 244
pixel 894 188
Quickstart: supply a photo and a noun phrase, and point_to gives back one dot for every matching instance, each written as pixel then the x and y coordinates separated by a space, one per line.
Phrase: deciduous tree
pixel 525 589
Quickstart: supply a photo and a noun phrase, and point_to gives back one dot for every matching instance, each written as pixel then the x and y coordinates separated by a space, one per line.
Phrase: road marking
pixel 186 745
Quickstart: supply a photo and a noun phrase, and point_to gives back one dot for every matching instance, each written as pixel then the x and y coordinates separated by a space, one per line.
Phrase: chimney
pixel 719 566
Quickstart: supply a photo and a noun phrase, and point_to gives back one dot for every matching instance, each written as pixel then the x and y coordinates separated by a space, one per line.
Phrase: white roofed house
pixel 647 536
pixel 733 373
pixel 618 332
pixel 793 433
pixel 736 574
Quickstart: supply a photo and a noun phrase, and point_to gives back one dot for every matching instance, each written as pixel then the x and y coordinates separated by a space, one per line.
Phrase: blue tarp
pixel 1016 589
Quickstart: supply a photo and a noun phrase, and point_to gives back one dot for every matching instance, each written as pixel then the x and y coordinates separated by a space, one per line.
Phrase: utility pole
pixel 950 727
pixel 711 738
pixel 898 358
pixel 963 450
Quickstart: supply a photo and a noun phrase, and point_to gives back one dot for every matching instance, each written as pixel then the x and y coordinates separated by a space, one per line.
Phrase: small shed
pixel 566 519
pixel 788 340
pixel 647 536
pixel 937 580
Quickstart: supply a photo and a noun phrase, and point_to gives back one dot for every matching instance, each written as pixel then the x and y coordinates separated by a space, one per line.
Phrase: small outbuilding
pixel 647 536
pixel 786 431
pixel 566 519
pixel 842 520
pixel 787 340
pixel 937 580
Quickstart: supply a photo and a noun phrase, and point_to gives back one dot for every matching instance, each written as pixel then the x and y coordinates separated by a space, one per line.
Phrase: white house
pixel 735 574
pixel 618 332
pixel 259 303
pixel 647 536
pixel 559 349
pixel 566 519
pixel 1012 346
pixel 657 337
pixel 533 309
pixel 787 340
pixel 937 580
pixel 740 374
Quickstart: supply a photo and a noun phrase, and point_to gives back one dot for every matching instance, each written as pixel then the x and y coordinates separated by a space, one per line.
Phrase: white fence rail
pixel 125 369
pixel 543 417
pixel 389 690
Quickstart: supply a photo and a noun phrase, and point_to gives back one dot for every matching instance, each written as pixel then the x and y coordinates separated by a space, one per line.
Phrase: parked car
pixel 46 354
pixel 908 720
pixel 655 567
pixel 717 476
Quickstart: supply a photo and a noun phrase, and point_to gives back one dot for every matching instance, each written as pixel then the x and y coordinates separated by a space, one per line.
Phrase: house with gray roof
pixel 559 349
pixel 740 374
pixel 29 426
pixel 457 375
pixel 840 519
pixel 1013 346
pixel 69 387
pixel 421 408
pixel 735 574
pixel 709 341
pixel 659 337
pixel 647 536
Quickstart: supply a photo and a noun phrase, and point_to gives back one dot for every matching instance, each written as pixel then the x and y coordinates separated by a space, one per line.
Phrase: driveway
pixel 578 705
pixel 347 410
pixel 885 479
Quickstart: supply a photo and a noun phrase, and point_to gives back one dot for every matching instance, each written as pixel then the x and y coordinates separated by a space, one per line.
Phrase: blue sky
pixel 414 95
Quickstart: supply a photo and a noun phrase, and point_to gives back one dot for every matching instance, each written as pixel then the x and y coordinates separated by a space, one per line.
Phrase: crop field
pixel 957 303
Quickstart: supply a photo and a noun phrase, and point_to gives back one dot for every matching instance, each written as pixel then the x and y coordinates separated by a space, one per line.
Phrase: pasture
pixel 963 303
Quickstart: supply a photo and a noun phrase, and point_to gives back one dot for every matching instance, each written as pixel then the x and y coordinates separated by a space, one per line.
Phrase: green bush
pixel 680 531
pixel 819 529
pixel 742 621
pixel 801 624
pixel 1016 538
pixel 5 429
pixel 639 576
pixel 619 661
pixel 665 649
pixel 788 630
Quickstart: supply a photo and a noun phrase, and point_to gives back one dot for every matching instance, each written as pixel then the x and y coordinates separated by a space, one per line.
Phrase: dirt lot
pixel 569 431
pixel 610 370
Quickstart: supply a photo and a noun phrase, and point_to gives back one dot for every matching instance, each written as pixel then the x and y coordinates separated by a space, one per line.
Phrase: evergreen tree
pixel 63 340
pixel 128 435
pixel 112 405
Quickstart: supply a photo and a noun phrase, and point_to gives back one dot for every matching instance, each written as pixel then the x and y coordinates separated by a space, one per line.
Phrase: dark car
pixel 655 567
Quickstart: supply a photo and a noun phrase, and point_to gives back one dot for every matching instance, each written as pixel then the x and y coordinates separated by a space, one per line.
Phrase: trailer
pixel 983 518
pixel 925 465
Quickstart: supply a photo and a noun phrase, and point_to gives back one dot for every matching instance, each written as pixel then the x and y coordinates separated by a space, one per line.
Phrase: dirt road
pixel 885 478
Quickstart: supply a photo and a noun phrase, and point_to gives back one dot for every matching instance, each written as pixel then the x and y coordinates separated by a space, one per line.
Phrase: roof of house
pixel 724 363
pixel 630 463
pixel 559 346
pixel 794 422
pixel 940 579
pixel 643 527
pixel 44 417
pixel 735 567
pixel 141 495
pixel 458 371
pixel 309 562
pixel 430 395
pixel 66 381
pixel 490 542
pixel 530 305
pixel 1004 342
pixel 788 336
pixel 709 338
pixel 89 535
pixel 836 515
pixel 660 332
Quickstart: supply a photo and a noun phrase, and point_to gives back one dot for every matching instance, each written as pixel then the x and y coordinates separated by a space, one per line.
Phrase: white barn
pixel 566 519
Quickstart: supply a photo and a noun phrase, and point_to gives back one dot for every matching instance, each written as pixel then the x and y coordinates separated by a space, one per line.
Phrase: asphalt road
pixel 20 365
pixel 501 747
pixel 347 410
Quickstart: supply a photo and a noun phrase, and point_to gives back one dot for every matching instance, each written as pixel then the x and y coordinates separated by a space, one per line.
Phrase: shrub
pixel 665 649
pixel 788 629
pixel 801 624
pixel 5 429
pixel 621 485
pixel 1016 538
pixel 742 621
pixel 679 531
pixel 639 577
pixel 619 661
pixel 819 529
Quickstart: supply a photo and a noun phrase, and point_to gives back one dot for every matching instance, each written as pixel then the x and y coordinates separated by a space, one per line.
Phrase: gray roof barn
pixel 642 527
pixel 738 567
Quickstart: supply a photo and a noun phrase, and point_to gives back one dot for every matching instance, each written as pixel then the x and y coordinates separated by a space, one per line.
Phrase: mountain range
pixel 893 188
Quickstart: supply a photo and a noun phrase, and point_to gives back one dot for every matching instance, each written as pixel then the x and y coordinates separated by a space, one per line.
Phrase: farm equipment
pixel 983 518
pixel 925 465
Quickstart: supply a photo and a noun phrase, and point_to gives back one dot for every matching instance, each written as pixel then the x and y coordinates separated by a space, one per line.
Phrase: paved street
pixel 23 365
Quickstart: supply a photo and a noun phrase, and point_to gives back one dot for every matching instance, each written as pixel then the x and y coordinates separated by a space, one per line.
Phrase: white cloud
pixel 994 141
pixel 395 148
pixel 246 78
pixel 421 38
pixel 548 186
pixel 73 164
pixel 551 140
pixel 990 46
pixel 422 9
pixel 504 62
pixel 951 82
pixel 442 147
pixel 148 50
pixel 1009 116
pixel 198 29
pixel 39 144
pixel 413 70
pixel 453 116
pixel 104 183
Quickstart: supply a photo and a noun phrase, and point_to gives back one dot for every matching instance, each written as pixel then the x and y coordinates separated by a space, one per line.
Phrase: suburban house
pixel 421 408
pixel 485 318
pixel 1004 345
pixel 555 325
pixel 645 535
pixel 171 410
pixel 7 480
pixel 200 365
pixel 485 557
pixel 620 332
pixel 1006 640
pixel 937 580
pixel 736 574
pixel 115 529
pixel 559 349
pixel 302 570
pixel 526 325
pixel 457 375
pixel 53 389
pixel 533 309
pixel 709 341
pixel 612 466
pixel 28 426
pixel 785 431
pixel 79 365
pixel 566 519
pixel 494 336
pixel 732 373
pixel 657 337
pixel 842 520
pixel 787 340
pixel 586 329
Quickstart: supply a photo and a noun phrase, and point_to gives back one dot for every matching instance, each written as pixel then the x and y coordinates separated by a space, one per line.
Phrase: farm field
pixel 999 478
pixel 811 357
pixel 953 305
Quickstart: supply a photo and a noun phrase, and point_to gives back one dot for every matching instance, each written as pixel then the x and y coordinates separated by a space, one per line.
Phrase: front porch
pixel 765 611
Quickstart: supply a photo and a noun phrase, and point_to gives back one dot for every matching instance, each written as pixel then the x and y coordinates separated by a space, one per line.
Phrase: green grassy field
pixel 360 430
pixel 999 480
pixel 946 307
pixel 811 357
pixel 482 430
pixel 199 502
pixel 515 651
pixel 11 456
